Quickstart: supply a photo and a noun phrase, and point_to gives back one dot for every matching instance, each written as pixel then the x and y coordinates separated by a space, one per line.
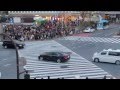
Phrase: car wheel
pixel 5 47
pixel 40 58
pixel 96 60
pixel 117 62
pixel 58 61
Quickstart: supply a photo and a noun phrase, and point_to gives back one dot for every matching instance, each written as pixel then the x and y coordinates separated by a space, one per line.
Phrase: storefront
pixel 29 17
pixel 113 18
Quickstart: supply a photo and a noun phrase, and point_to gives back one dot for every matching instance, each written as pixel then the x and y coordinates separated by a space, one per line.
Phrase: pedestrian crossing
pixel 92 39
pixel 77 65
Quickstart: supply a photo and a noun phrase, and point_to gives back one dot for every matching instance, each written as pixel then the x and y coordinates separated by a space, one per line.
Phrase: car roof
pixel 52 52
pixel 60 52
pixel 117 50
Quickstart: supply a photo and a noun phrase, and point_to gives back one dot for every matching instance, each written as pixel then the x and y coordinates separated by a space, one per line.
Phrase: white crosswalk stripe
pixel 92 39
pixel 77 65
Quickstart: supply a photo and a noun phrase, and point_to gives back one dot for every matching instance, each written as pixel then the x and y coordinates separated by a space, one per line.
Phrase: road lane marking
pixel 94 39
pixel 76 65
pixel 6 65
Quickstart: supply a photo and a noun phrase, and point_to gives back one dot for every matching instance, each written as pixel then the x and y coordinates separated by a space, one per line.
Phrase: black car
pixel 55 56
pixel 9 44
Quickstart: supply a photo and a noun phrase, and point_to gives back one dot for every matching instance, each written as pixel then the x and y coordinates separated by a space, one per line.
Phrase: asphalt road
pixel 84 49
pixel 87 49
pixel 111 31
pixel 8 63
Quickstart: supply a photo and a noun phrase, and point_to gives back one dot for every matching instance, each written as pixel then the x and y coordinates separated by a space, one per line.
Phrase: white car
pixel 89 29
pixel 111 56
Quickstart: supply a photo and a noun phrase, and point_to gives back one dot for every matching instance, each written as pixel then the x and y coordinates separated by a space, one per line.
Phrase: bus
pixel 102 24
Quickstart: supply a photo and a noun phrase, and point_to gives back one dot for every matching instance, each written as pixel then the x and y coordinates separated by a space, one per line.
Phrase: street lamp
pixel 16 49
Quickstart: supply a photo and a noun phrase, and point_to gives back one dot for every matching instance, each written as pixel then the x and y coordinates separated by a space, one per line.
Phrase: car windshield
pixel 103 52
pixel 18 42
pixel 46 53
pixel 55 53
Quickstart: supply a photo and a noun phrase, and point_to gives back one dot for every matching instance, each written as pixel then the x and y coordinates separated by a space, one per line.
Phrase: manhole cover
pixel 65 66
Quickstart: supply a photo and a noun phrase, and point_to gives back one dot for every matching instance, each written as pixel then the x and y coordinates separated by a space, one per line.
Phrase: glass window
pixel 103 53
pixel 54 53
pixel 48 53
pixel 87 28
pixel 51 53
pixel 114 53
pixel 118 53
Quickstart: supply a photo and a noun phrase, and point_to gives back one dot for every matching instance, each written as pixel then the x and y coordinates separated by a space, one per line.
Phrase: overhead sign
pixel 22 61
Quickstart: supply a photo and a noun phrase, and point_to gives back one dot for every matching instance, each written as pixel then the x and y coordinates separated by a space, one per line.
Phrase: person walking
pixel 27 75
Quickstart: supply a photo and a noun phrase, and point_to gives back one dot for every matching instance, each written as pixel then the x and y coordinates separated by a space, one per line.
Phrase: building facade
pixel 28 16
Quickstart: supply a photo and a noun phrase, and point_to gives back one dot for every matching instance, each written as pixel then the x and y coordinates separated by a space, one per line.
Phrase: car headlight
pixel 20 45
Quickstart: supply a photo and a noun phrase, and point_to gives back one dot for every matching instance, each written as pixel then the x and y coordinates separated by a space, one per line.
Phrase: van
pixel 110 56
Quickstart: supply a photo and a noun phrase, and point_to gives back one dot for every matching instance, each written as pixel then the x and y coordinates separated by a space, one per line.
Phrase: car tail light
pixel 66 57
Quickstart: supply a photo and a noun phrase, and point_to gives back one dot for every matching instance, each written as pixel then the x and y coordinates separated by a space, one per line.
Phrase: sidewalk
pixel 0 74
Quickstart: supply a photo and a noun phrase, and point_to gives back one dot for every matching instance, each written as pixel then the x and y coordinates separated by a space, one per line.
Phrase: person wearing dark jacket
pixel 26 76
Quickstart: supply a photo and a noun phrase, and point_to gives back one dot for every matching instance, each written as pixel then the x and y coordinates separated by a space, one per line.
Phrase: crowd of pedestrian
pixel 47 30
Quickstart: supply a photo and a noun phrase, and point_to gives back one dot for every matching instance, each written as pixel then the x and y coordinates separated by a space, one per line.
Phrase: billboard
pixel 17 20
pixel 1 31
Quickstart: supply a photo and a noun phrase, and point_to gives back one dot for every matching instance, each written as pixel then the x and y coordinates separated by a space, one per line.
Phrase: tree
pixel 83 23
pixel 3 17
pixel 40 21
pixel 83 15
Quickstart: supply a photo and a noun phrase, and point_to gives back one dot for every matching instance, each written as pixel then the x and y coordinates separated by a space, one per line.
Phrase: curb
pixel 0 74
